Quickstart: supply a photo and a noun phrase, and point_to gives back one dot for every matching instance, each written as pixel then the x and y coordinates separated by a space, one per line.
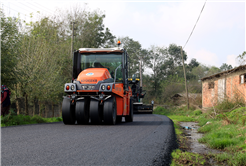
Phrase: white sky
pixel 219 36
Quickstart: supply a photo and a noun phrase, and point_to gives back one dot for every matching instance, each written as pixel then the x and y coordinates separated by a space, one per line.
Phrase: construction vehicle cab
pixel 100 90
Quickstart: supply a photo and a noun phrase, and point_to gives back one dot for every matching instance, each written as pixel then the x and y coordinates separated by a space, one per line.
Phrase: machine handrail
pixel 115 73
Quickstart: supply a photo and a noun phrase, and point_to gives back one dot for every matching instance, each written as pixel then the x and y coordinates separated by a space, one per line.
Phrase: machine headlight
pixel 103 87
pixel 72 87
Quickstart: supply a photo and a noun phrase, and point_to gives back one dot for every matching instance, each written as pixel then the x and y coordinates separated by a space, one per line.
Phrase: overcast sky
pixel 219 36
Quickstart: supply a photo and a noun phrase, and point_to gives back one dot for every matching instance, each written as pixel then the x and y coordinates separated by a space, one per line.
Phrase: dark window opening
pixel 211 85
pixel 243 78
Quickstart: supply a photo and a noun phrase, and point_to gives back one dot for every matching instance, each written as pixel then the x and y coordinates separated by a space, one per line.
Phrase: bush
pixel 13 119
pixel 197 112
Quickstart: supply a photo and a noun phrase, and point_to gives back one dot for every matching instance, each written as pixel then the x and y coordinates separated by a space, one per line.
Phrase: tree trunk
pixel 60 105
pixel 26 104
pixel 34 106
pixel 46 110
pixel 40 108
pixel 53 111
pixel 17 106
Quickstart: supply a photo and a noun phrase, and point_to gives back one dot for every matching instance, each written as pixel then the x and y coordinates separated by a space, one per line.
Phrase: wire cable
pixel 33 10
pixel 195 24
pixel 42 7
pixel 14 9
pixel 37 6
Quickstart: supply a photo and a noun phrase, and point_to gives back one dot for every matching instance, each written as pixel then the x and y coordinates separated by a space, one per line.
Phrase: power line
pixel 40 8
pixel 27 6
pixel 195 24
pixel 14 10
pixel 43 7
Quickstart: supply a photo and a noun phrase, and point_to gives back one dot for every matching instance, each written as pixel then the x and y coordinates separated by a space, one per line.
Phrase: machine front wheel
pixel 68 112
pixel 95 112
pixel 110 111
pixel 82 111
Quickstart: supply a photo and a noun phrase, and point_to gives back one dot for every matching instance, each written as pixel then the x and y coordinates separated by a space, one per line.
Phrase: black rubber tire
pixel 129 118
pixel 82 111
pixel 118 119
pixel 110 111
pixel 68 112
pixel 95 112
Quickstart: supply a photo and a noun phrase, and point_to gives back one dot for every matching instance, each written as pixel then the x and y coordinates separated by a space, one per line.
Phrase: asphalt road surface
pixel 148 140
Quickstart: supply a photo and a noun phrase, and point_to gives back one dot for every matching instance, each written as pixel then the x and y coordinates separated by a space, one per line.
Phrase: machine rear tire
pixel 110 111
pixel 95 112
pixel 82 111
pixel 129 118
pixel 68 112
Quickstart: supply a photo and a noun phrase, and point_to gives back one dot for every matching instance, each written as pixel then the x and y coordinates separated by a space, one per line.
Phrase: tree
pixel 42 59
pixel 242 58
pixel 225 67
pixel 193 63
pixel 135 53
pixel 200 71
pixel 157 57
pixel 213 70
pixel 90 30
pixel 9 49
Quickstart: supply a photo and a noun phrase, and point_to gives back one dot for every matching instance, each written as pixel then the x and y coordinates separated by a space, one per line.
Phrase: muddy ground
pixel 190 144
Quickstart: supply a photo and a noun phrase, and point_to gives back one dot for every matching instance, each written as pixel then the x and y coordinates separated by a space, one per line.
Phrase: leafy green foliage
pixel 187 158
pixel 91 32
pixel 225 67
pixel 242 58
pixel 10 40
pixel 197 112
pixel 12 119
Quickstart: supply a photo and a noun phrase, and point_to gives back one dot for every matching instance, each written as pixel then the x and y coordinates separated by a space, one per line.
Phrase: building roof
pixel 242 67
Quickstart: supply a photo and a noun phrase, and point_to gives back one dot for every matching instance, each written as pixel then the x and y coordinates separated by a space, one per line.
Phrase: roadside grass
pixel 187 158
pixel 12 119
pixel 224 128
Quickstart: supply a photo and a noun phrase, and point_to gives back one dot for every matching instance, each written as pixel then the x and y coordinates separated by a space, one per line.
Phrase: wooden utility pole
pixel 140 75
pixel 140 72
pixel 186 88
pixel 72 38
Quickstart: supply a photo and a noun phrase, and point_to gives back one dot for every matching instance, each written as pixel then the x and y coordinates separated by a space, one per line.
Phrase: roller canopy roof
pixel 97 50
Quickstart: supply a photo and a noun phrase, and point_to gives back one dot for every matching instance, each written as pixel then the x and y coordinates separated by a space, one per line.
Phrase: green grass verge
pixel 187 158
pixel 224 131
pixel 12 119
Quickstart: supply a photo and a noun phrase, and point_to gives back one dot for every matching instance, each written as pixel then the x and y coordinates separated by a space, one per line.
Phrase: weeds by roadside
pixel 225 130
pixel 12 119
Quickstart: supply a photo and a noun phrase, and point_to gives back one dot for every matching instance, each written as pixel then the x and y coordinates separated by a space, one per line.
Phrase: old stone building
pixel 230 84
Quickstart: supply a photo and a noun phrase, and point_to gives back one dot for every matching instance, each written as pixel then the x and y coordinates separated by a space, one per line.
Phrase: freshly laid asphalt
pixel 148 140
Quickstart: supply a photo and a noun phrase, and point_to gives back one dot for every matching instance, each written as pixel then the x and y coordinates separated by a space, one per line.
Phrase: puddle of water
pixel 195 146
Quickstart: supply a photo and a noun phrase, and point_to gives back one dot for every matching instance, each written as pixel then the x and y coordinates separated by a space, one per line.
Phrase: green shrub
pixel 161 110
pixel 13 119
pixel 38 119
pixel 197 112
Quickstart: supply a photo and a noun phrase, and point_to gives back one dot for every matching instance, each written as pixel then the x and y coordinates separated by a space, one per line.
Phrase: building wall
pixel 225 87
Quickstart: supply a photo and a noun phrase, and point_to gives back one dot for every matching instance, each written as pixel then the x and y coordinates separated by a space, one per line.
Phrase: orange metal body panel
pixel 122 100
pixel 93 75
